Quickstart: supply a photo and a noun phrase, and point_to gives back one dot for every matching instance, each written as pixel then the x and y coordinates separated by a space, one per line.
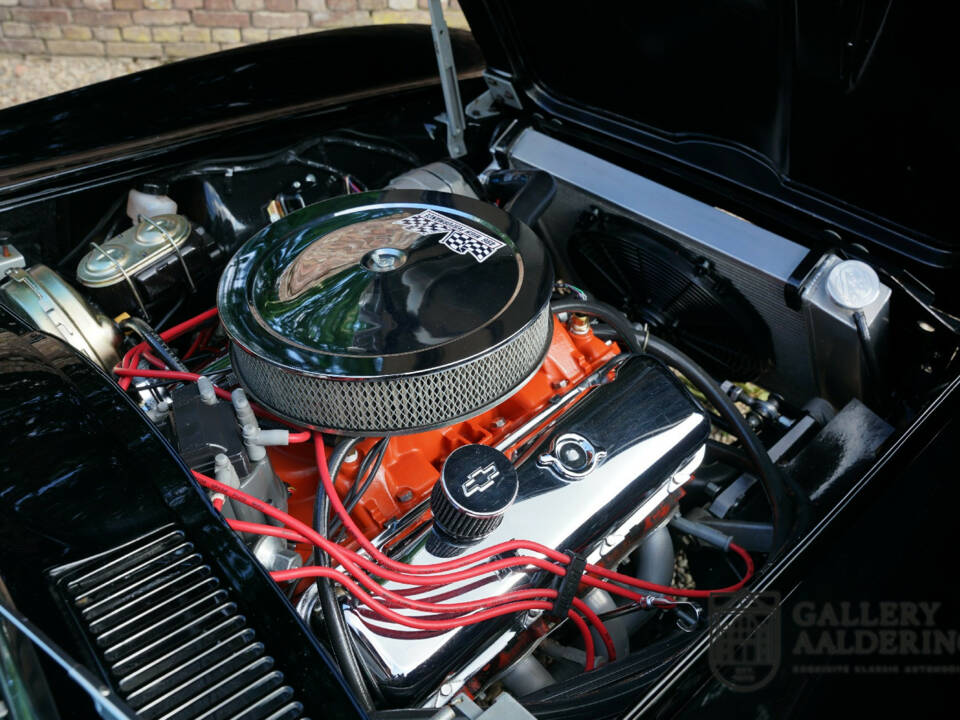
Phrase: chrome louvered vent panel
pixel 171 636
pixel 398 404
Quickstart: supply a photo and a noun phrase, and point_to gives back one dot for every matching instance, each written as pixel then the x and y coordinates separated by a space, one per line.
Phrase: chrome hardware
pixel 688 615
pixel 595 379
pixel 54 307
pixel 399 365
pixel 658 427
pixel 480 479
pixel 119 267
pixel 572 456
pixel 173 244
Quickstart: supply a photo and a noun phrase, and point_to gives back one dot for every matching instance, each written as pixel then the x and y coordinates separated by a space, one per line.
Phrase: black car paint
pixel 114 130
pixel 832 124
pixel 82 470
pixel 167 109
pixel 880 542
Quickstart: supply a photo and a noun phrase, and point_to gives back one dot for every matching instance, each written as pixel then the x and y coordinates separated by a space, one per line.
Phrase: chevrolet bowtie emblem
pixel 480 479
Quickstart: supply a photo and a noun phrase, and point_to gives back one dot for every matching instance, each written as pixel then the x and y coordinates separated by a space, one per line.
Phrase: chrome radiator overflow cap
pixel 387 312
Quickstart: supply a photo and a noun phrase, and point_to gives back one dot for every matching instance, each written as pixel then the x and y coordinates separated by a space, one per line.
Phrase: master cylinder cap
pixel 387 312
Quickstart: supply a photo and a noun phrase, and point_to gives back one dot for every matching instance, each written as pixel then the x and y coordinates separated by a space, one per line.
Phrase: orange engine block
pixel 412 463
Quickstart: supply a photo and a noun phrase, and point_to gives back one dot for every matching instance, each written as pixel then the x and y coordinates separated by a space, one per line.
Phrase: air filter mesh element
pixel 387 312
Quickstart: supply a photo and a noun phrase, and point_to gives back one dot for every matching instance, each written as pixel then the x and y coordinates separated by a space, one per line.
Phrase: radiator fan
pixel 680 295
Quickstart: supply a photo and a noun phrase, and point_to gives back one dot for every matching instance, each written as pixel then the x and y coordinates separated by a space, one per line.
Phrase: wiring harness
pixel 361 575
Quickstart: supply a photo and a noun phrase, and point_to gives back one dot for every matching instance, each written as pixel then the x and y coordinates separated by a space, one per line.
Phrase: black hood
pixel 846 104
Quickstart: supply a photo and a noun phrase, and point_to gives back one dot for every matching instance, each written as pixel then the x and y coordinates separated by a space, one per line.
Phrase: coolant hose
pixel 788 502
pixel 532 192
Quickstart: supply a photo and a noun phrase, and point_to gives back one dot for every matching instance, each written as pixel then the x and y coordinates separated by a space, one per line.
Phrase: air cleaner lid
pixel 386 284
pixel 382 283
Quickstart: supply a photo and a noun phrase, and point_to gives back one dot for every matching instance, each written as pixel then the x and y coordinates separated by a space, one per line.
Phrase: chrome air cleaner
pixel 387 312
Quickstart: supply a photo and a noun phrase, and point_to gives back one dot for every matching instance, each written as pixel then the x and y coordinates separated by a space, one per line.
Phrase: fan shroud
pixel 679 294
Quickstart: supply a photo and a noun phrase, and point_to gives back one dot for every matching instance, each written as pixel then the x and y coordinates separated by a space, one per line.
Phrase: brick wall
pixel 172 29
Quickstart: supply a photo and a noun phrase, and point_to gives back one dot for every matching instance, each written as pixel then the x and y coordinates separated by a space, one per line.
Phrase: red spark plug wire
pixel 132 357
pixel 511 546
pixel 489 566
pixel 128 373
pixel 342 554
pixel 681 592
pixel 352 528
pixel 350 561
pixel 419 580
pixel 588 640
pixel 253 528
pixel 194 345
pixel 426 575
pixel 153 360
pixel 469 606
pixel 288 534
pixel 189 324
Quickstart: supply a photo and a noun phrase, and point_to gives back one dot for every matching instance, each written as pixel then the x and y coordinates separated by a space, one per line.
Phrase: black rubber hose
pixel 788 502
pixel 152 338
pixel 610 690
pixel 333 618
pixel 374 457
pixel 333 463
pixel 873 365
pixel 367 472
pixel 532 192
pixel 718 452
pixel 97 229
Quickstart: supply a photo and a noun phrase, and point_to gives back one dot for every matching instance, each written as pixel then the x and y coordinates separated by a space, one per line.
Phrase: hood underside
pixel 852 101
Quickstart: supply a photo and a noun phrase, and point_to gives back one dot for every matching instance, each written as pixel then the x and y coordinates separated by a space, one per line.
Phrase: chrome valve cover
pixel 604 476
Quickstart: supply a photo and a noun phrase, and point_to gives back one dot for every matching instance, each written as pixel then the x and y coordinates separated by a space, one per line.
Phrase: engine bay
pixel 493 425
